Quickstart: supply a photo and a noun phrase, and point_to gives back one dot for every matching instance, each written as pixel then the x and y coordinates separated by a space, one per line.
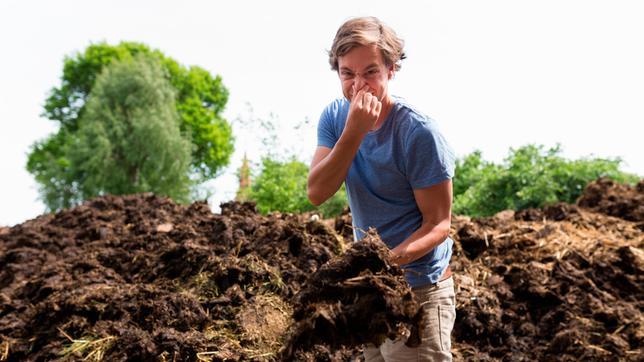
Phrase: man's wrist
pixel 397 258
pixel 354 128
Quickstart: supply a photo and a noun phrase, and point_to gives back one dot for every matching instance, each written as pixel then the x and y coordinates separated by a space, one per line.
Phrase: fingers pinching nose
pixel 360 97
pixel 367 99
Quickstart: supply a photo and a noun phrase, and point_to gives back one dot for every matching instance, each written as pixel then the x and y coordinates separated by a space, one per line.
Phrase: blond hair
pixel 366 31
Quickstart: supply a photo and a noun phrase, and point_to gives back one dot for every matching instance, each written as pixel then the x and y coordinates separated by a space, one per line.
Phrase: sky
pixel 494 75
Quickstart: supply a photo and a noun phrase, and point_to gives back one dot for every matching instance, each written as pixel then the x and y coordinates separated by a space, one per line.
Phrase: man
pixel 397 168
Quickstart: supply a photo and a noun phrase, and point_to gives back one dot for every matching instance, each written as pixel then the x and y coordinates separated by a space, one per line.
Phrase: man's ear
pixel 390 72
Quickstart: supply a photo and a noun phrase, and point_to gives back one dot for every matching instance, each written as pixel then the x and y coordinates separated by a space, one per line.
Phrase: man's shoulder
pixel 410 116
pixel 337 105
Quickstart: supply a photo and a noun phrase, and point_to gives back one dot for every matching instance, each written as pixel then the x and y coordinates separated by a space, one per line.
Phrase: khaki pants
pixel 439 304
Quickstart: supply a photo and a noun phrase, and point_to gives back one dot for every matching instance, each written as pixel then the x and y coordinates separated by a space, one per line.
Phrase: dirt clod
pixel 354 299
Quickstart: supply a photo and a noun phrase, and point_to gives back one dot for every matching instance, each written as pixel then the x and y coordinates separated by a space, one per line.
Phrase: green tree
pixel 281 186
pixel 470 170
pixel 128 139
pixel 199 100
pixel 279 182
pixel 531 176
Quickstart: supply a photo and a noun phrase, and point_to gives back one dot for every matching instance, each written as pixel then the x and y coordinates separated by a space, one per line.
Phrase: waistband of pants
pixel 446 277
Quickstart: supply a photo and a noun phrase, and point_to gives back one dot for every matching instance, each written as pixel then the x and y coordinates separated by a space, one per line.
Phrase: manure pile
pixel 141 278
pixel 562 283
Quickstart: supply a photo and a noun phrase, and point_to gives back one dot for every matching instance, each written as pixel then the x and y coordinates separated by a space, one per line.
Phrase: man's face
pixel 364 66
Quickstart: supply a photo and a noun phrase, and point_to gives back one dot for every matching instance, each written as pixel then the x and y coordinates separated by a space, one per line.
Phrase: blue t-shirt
pixel 407 152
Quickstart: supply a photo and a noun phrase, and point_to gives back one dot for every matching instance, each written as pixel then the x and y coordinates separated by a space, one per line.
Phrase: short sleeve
pixel 326 132
pixel 429 158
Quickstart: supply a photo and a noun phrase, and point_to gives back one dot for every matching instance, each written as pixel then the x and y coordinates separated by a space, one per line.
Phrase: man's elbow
pixel 445 229
pixel 314 192
pixel 441 229
pixel 314 197
pixel 445 233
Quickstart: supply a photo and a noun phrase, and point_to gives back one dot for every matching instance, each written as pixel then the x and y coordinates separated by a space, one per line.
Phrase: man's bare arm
pixel 329 167
pixel 435 204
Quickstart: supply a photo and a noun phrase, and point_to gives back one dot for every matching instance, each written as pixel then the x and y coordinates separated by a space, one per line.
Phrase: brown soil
pixel 141 278
pixel 615 199
pixel 354 299
pixel 561 283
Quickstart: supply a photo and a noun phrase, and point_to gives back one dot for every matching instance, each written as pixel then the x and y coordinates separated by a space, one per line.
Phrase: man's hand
pixel 396 257
pixel 329 167
pixel 364 111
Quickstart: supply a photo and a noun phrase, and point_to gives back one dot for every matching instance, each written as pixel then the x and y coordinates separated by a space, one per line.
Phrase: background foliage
pixel 279 179
pixel 530 176
pixel 128 139
pixel 281 186
pixel 199 99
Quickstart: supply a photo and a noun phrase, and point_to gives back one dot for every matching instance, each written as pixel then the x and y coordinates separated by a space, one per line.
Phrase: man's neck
pixel 387 105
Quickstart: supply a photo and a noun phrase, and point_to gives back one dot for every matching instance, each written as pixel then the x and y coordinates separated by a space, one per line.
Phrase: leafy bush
pixel 281 186
pixel 530 176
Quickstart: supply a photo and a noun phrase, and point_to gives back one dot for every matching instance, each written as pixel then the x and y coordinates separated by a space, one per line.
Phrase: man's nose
pixel 359 81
